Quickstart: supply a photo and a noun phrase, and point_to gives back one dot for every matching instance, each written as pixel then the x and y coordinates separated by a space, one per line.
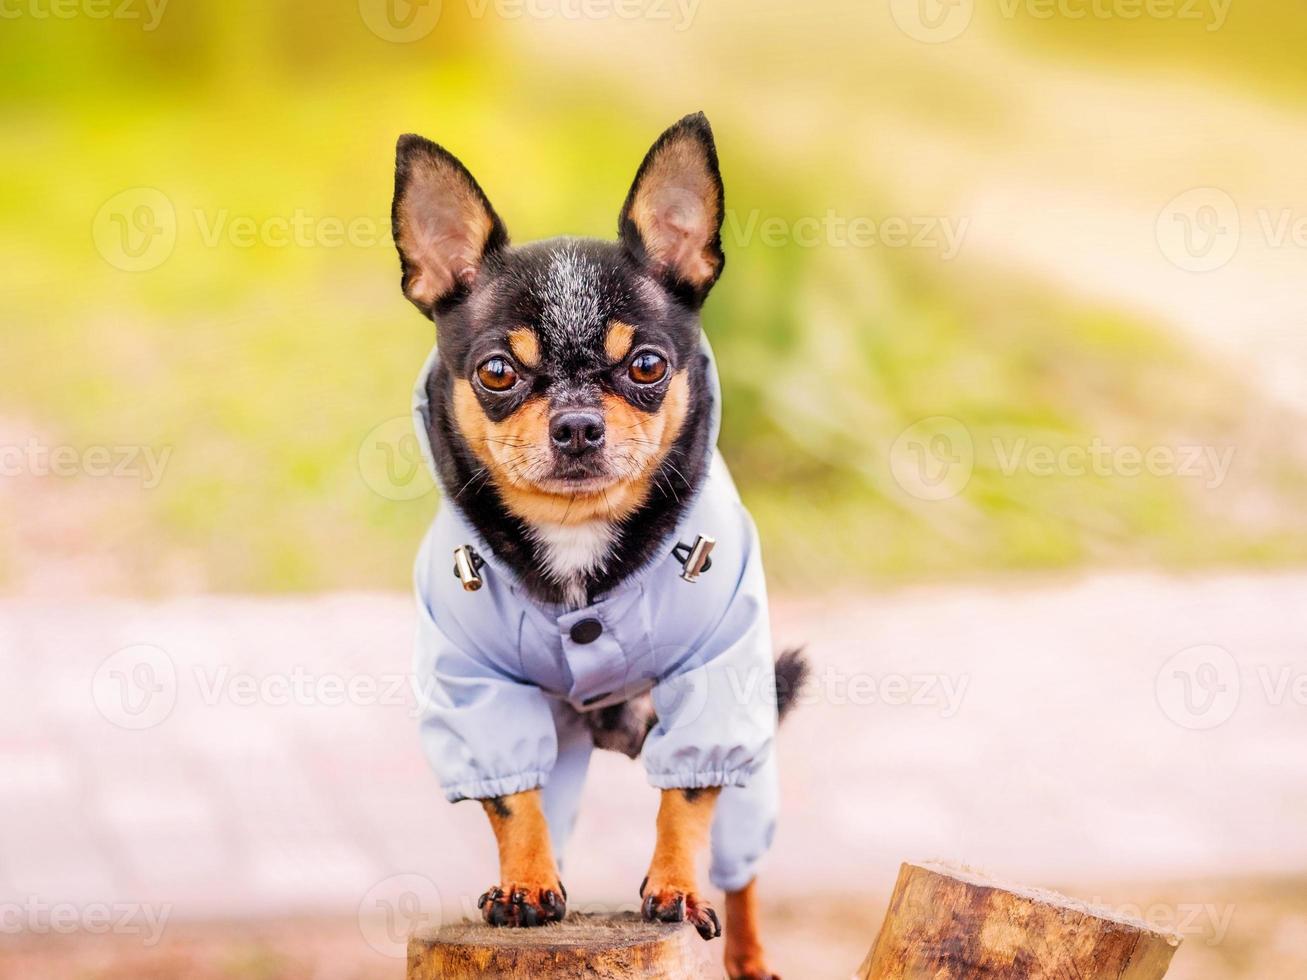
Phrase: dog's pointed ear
pixel 672 220
pixel 443 224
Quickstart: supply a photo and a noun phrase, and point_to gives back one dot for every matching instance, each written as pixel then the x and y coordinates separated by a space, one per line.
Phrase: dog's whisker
pixel 483 471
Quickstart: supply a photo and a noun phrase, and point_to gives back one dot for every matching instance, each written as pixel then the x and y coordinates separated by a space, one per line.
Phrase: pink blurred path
pixel 1039 732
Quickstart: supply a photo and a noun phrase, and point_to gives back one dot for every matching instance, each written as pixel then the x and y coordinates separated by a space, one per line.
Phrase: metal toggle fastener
pixel 467 567
pixel 694 557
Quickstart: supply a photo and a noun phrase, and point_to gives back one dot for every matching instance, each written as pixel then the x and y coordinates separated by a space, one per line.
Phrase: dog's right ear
pixel 443 224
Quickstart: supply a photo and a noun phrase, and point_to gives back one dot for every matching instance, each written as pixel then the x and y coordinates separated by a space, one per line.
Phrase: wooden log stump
pixel 946 924
pixel 613 947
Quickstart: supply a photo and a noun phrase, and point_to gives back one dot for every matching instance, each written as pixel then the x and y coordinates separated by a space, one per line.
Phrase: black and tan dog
pixel 570 410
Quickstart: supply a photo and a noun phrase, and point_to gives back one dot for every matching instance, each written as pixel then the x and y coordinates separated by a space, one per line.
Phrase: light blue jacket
pixel 493 665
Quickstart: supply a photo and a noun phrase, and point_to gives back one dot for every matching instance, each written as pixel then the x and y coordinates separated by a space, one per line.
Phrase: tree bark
pixel 945 924
pixel 608 947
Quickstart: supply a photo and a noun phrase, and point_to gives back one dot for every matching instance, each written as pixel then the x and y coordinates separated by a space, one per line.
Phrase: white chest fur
pixel 570 551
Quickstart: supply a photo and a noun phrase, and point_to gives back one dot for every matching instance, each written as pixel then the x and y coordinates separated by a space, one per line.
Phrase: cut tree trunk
pixel 610 947
pixel 945 924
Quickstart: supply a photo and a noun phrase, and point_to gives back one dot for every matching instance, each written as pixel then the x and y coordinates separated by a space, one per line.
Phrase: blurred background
pixel 1012 340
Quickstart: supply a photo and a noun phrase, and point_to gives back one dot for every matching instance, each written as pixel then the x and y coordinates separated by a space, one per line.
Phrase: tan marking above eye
pixel 525 346
pixel 618 342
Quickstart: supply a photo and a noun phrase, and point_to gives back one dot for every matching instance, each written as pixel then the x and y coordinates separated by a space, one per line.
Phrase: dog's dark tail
pixel 792 672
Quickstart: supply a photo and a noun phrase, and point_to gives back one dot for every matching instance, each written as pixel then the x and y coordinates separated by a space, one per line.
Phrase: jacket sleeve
pixel 484 732
pixel 716 707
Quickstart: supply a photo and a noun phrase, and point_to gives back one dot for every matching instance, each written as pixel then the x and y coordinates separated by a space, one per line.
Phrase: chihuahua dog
pixel 606 585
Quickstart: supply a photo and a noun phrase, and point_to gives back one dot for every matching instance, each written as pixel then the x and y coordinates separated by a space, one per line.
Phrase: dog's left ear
pixel 444 226
pixel 672 220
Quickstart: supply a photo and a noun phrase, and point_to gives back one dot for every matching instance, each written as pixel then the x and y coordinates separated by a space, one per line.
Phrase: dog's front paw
pixel 667 903
pixel 523 907
pixel 748 971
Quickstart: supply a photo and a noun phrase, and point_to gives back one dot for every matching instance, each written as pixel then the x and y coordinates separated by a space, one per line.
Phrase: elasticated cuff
pixel 699 780
pixel 484 789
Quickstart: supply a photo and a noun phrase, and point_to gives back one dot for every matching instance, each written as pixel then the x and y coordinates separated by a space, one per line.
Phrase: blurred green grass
pixel 267 367
pixel 1257 46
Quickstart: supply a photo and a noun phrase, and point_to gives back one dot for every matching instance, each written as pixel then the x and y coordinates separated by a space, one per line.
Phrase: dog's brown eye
pixel 497 374
pixel 648 368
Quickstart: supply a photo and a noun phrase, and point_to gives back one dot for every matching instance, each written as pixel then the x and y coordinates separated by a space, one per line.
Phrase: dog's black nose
pixel 576 433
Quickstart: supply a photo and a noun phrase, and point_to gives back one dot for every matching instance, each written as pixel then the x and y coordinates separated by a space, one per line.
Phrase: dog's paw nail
pixel 522 908
pixel 643 885
pixel 671 913
pixel 713 927
pixel 552 907
pixel 489 896
pixel 673 905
